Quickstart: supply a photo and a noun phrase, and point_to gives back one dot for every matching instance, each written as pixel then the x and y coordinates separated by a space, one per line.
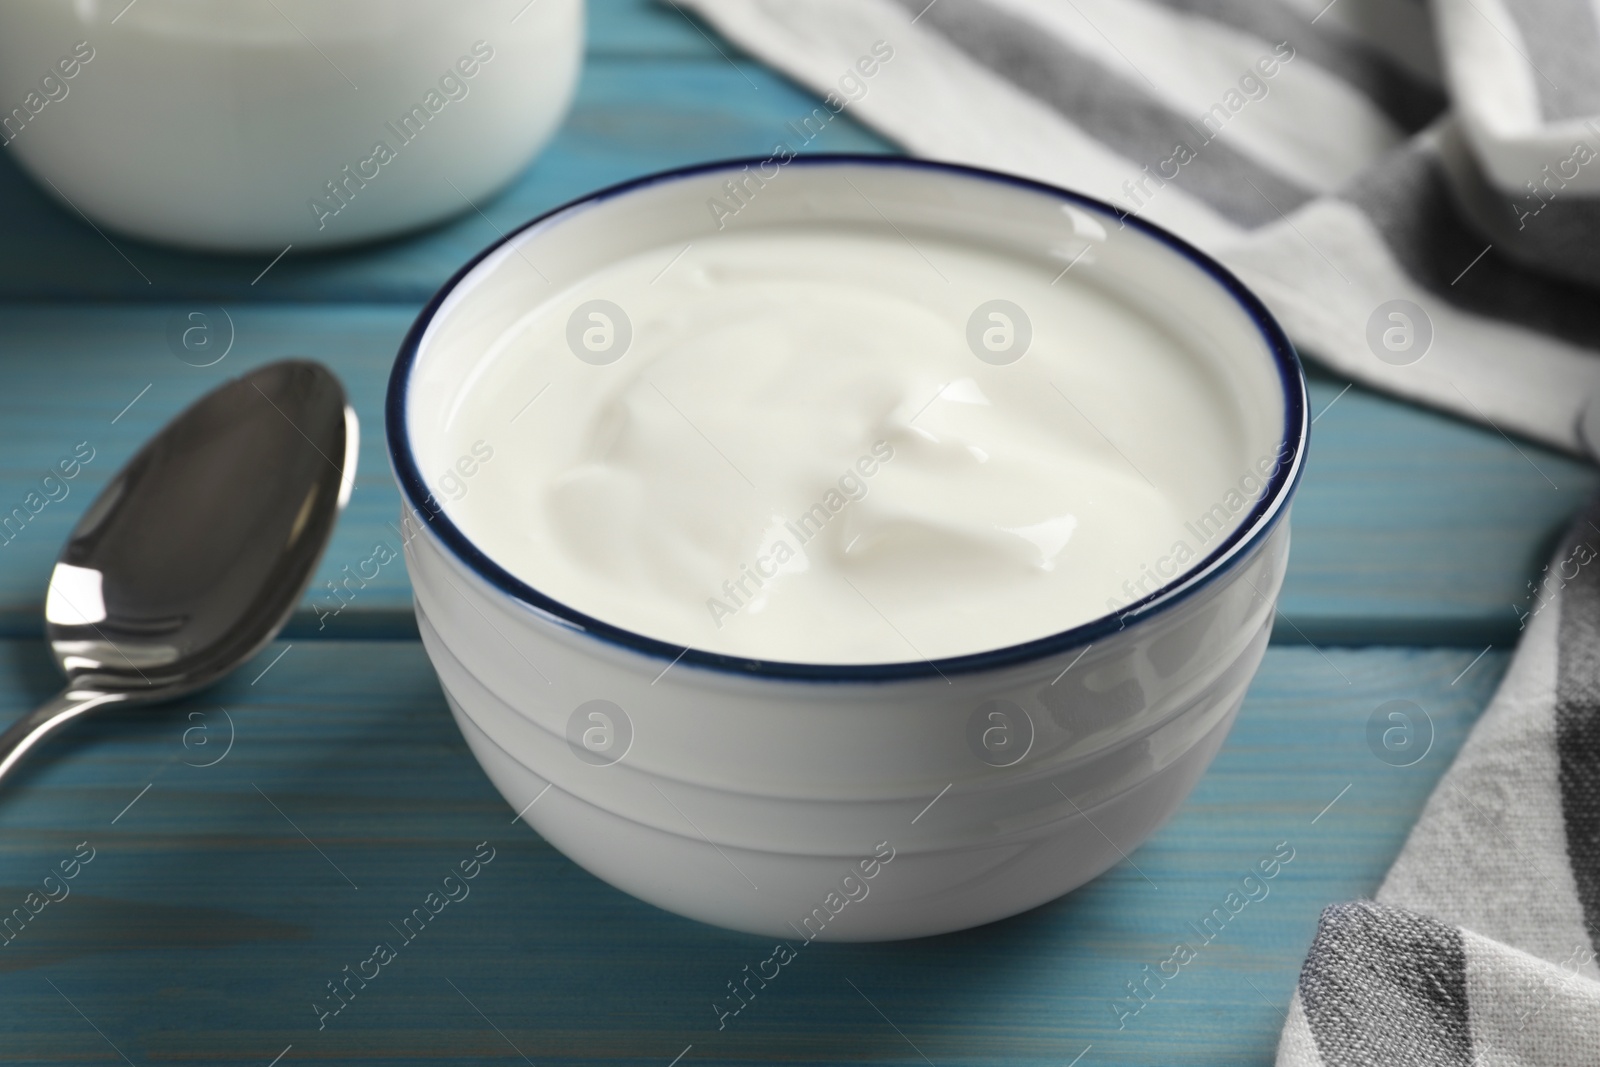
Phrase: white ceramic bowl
pixel 223 124
pixel 854 802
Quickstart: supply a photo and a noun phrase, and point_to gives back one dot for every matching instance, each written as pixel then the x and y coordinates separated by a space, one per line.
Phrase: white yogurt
pixel 799 455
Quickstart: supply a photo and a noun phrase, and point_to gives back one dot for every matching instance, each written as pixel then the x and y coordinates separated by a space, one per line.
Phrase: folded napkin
pixel 1480 947
pixel 1417 198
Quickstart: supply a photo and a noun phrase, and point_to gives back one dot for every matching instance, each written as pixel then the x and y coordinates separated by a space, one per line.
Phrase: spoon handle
pixel 34 726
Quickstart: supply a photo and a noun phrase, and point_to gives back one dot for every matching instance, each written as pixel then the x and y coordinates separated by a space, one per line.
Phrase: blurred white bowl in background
pixel 253 124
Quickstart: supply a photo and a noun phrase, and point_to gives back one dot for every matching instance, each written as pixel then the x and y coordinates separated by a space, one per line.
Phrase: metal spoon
pixel 194 556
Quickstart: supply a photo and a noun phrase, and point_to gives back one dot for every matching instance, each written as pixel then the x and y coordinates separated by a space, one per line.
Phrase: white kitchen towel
pixel 1481 945
pixel 1342 157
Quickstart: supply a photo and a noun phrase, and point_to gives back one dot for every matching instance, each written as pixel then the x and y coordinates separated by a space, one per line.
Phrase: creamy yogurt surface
pixel 840 446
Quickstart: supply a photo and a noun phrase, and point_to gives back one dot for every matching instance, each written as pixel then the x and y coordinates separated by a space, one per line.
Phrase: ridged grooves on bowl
pixel 918 895
pixel 1008 808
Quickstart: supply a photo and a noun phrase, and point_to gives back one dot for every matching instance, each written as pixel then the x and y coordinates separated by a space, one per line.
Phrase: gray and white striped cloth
pixel 1480 947
pixel 1341 156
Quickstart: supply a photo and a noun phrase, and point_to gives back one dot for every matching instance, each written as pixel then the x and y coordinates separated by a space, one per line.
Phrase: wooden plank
pixel 631 117
pixel 206 923
pixel 1416 527
pixel 1410 527
pixel 654 29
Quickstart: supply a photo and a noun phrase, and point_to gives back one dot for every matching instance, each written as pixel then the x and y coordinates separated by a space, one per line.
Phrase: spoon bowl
pixel 195 554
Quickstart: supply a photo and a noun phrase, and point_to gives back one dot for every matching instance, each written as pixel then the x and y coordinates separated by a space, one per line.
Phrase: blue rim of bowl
pixel 1263 518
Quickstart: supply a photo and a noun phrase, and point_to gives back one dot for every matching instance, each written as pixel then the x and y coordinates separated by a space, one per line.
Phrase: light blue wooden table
pixel 222 898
